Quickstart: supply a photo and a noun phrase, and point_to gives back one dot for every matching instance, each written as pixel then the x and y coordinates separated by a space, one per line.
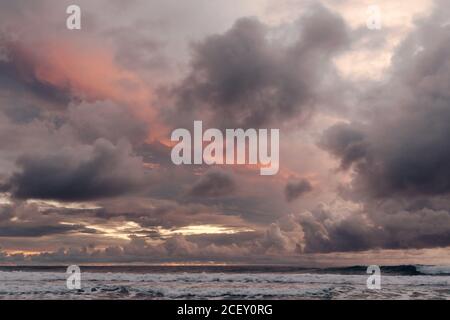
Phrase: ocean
pixel 225 282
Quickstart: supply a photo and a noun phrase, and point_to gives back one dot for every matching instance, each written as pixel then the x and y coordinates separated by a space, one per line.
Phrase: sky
pixel 86 118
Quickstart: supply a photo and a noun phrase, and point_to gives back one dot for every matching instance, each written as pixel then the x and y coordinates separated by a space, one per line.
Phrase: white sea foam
pixel 434 270
pixel 52 285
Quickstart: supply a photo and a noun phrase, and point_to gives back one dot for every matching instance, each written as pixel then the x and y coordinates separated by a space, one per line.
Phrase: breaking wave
pixel 399 282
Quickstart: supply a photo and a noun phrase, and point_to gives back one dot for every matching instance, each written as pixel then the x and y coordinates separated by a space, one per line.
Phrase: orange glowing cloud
pixel 91 73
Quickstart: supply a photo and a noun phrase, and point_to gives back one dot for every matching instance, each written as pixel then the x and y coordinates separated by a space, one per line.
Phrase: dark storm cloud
pixel 345 142
pixel 213 184
pixel 88 139
pixel 17 74
pixel 245 79
pixel 294 190
pixel 28 230
pixel 388 224
pixel 413 223
pixel 20 219
pixel 107 120
pixel 325 233
pixel 403 149
pixel 83 173
pixel 6 213
pixel 155 152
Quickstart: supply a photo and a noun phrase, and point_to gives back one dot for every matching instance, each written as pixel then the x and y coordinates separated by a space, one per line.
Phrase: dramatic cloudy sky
pixel 86 118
